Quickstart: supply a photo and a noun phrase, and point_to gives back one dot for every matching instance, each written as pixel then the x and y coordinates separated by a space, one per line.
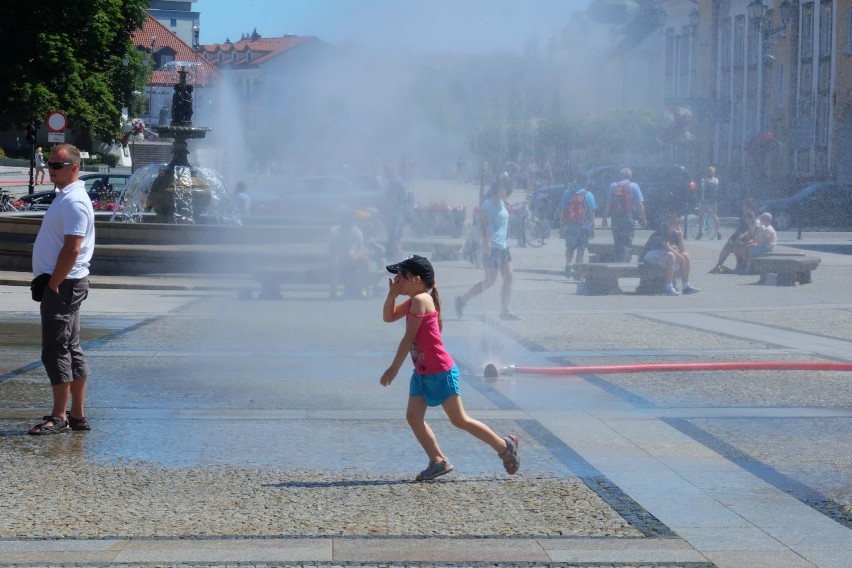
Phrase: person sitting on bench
pixel 737 243
pixel 348 258
pixel 765 238
pixel 665 249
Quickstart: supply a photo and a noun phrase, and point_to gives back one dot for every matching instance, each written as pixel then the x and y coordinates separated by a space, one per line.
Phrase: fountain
pixel 175 218
pixel 178 192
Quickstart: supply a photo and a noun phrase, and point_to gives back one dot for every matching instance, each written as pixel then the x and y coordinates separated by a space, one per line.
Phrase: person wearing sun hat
pixel 435 379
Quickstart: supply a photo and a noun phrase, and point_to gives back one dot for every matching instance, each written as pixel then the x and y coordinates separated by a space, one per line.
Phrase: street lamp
pixel 757 13
pixel 133 139
pixel 694 18
pixel 32 130
pixel 149 112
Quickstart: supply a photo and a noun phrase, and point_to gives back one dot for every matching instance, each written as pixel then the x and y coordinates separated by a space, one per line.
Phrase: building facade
pixel 166 53
pixel 769 83
pixel 178 17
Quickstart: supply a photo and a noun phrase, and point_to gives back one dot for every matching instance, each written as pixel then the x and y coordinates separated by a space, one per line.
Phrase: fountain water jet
pixel 178 192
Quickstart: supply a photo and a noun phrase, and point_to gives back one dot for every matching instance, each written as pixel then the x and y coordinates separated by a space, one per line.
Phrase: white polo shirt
pixel 70 213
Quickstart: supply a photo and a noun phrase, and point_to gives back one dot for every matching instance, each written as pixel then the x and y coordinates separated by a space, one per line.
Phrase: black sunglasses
pixel 58 165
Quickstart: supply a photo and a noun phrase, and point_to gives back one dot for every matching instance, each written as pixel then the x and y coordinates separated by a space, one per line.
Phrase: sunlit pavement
pixel 217 395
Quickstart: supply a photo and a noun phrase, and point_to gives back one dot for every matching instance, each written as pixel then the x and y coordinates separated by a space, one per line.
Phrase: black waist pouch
pixel 38 285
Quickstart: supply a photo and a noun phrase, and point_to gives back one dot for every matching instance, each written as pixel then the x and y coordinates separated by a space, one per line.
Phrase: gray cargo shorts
pixel 61 352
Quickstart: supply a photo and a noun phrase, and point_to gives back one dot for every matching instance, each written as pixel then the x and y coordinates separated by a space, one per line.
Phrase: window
pixel 739 40
pixel 825 26
pixel 725 43
pixel 779 86
pixel 823 117
pixel 670 62
pixel 684 65
pixel 849 31
pixel 807 34
pixel 173 22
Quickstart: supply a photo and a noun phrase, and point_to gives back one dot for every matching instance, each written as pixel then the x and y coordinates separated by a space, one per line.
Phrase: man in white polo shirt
pixel 63 249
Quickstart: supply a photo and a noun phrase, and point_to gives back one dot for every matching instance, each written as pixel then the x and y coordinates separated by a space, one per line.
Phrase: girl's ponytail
pixel 437 299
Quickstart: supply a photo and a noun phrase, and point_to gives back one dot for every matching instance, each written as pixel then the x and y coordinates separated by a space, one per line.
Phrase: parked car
pixel 823 204
pixel 98 186
pixel 544 204
pixel 665 188
pixel 318 198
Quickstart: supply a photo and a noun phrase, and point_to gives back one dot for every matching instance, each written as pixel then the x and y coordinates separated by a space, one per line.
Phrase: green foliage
pixel 624 131
pixel 604 138
pixel 68 56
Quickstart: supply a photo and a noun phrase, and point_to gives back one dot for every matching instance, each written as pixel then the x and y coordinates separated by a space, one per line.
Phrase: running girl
pixel 435 380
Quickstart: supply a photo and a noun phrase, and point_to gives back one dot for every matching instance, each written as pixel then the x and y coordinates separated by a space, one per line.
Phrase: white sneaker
pixel 672 292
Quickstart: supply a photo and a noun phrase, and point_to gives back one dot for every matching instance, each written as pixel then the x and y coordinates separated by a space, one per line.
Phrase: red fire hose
pixel 669 367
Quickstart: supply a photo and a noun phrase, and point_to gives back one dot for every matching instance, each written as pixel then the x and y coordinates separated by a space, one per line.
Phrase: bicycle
pixel 526 228
pixel 6 201
pixel 703 225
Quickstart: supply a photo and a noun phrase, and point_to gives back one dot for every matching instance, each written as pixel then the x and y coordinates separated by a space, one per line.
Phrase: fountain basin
pixel 159 248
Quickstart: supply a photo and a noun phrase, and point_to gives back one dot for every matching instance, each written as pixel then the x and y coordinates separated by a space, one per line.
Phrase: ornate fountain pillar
pixel 179 194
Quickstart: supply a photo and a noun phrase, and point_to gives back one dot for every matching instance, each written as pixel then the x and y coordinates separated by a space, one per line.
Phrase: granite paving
pixel 230 432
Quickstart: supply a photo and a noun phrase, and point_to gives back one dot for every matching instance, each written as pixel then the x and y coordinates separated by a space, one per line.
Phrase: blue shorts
pixel 760 250
pixel 498 259
pixel 577 236
pixel 437 388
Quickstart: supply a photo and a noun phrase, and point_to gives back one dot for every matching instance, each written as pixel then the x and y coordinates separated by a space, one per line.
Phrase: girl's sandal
pixel 435 469
pixel 511 455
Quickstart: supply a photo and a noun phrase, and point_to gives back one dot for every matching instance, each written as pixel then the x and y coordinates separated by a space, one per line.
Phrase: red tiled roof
pixel 204 72
pixel 262 48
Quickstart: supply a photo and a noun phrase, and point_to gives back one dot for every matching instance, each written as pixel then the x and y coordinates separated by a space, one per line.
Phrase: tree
pixel 69 56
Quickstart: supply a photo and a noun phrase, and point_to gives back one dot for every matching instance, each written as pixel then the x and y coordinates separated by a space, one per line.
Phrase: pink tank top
pixel 427 351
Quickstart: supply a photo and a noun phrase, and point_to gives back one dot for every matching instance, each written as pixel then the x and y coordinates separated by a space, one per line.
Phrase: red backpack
pixel 622 201
pixel 575 213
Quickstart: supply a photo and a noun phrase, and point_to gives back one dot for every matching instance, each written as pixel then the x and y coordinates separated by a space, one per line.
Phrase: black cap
pixel 415 265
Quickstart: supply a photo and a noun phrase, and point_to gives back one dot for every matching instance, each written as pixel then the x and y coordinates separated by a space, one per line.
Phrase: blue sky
pixel 457 25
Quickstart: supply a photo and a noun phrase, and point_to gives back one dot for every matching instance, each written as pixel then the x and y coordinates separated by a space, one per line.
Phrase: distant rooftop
pixel 169 49
pixel 251 49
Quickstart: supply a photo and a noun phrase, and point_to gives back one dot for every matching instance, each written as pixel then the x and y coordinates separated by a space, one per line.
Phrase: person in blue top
pixel 495 250
pixel 626 204
pixel 578 221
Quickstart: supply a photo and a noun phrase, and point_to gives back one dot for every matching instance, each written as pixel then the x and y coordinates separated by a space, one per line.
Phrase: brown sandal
pixel 78 424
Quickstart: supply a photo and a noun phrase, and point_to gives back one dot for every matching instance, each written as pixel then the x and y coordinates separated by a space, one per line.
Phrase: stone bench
pixel 272 277
pixel 603 252
pixel 600 279
pixel 790 270
pixel 652 279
